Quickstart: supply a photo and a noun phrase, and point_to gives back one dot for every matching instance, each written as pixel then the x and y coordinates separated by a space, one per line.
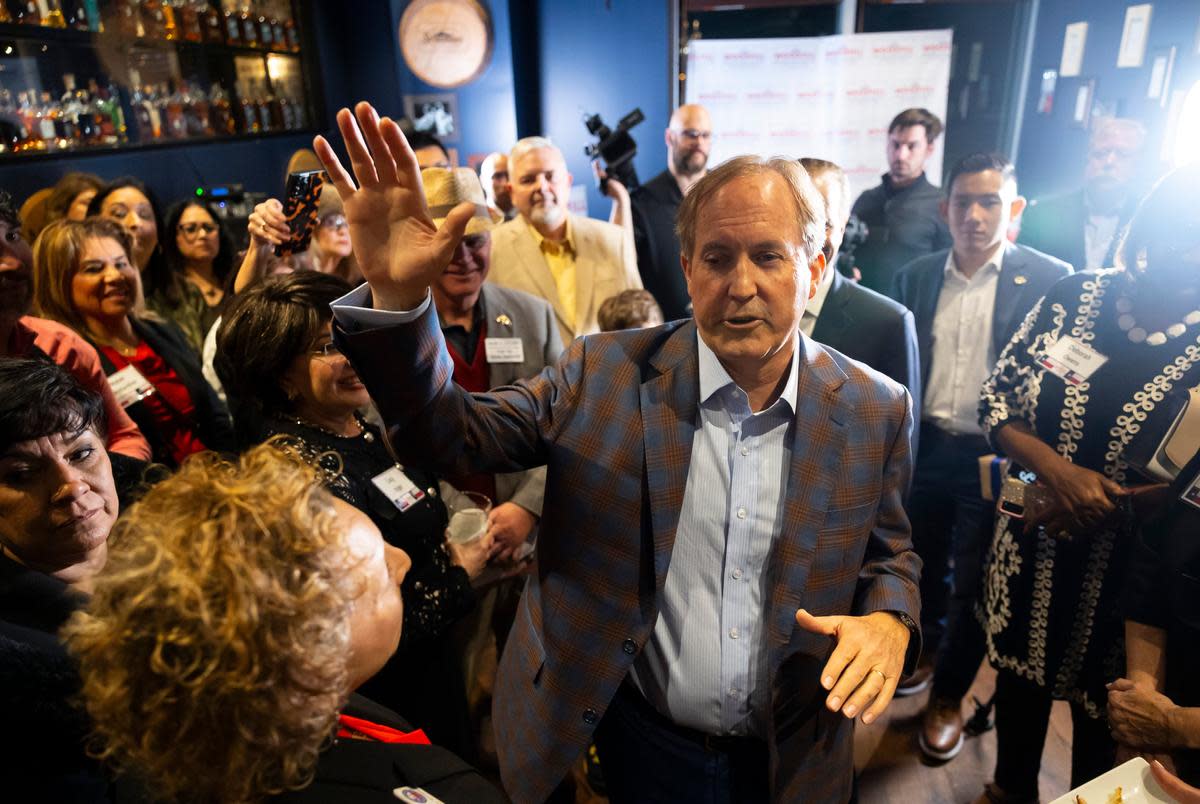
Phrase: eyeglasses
pixel 694 134
pixel 190 229
pixel 334 222
pixel 327 351
pixel 477 241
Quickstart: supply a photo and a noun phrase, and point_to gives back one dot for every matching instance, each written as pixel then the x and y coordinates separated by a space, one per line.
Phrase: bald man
pixel 654 204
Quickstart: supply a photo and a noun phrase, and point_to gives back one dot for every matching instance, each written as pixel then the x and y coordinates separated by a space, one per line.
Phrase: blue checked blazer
pixel 613 421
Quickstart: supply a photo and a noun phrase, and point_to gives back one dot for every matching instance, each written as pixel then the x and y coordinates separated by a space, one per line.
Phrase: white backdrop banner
pixel 830 96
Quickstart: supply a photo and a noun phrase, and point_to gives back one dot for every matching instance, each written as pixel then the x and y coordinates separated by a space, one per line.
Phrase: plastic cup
pixel 468 518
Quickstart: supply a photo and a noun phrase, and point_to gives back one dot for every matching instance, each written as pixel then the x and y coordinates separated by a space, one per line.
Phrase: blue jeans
pixel 646 759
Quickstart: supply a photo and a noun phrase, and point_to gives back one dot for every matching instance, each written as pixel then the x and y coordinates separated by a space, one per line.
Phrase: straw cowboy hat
pixel 446 188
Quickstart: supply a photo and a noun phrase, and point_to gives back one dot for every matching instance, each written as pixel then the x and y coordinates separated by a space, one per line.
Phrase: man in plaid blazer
pixel 623 633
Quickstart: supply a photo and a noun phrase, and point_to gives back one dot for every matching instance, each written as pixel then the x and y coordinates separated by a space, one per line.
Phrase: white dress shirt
pixel 1098 234
pixel 962 355
pixel 812 310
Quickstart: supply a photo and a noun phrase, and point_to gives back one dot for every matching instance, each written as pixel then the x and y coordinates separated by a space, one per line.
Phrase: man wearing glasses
pixel 654 204
pixel 1084 226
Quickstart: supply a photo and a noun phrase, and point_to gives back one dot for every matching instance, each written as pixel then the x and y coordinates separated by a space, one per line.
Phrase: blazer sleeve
pixel 633 277
pixel 433 422
pixel 888 580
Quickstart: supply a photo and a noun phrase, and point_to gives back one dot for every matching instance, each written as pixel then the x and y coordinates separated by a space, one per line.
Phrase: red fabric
pixel 357 727
pixel 171 406
pixel 66 348
pixel 473 377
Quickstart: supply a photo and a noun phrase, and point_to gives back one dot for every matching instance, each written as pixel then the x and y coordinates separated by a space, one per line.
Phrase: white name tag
pixel 504 350
pixel 1071 360
pixel 1191 494
pixel 415 795
pixel 398 488
pixel 129 386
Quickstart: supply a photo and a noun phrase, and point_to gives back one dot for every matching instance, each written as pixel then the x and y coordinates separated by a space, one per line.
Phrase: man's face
pixel 541 186
pixel 1112 159
pixel 431 156
pixel 837 209
pixel 979 210
pixel 689 140
pixel 501 190
pixel 907 150
pixel 16 272
pixel 748 275
pixel 468 267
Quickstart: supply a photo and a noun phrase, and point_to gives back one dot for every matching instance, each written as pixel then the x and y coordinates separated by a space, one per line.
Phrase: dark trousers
pixel 646 759
pixel 952 528
pixel 1022 718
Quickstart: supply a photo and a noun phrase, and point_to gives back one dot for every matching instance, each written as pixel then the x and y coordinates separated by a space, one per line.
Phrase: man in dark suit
pixel 705 479
pixel 1084 227
pixel 857 321
pixel 654 204
pixel 984 285
pixel 901 213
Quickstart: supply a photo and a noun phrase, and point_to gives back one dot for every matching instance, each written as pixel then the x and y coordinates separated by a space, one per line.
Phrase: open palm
pixel 399 250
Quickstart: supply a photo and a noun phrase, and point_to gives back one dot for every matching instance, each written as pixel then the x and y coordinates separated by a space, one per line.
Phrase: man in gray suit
pixel 496 336
pixel 968 302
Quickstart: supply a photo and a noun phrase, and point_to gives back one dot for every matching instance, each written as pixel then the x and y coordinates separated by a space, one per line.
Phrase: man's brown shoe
pixel 941 735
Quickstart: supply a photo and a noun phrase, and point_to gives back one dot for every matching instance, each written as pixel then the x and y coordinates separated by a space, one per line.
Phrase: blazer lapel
pixel 669 404
pixel 929 288
pixel 834 320
pixel 534 265
pixel 585 273
pixel 498 313
pixel 1013 281
pixel 817 446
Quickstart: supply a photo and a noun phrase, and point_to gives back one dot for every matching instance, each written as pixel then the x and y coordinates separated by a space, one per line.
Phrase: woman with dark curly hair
pixel 241 606
pixel 285 378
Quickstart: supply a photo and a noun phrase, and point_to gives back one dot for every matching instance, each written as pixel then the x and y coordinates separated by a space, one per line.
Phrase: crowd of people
pixel 740 488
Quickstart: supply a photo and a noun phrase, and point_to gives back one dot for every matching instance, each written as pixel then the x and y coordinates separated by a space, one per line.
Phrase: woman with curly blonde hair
pixel 240 607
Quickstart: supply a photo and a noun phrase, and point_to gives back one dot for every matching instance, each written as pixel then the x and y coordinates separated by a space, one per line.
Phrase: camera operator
pixel 857 321
pixel 651 208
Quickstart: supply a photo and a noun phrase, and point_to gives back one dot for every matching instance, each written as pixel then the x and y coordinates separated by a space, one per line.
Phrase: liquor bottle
pixel 211 24
pixel 250 121
pixel 47 120
pixel 70 127
pixel 174 120
pixel 28 13
pixel 6 17
pixel 187 15
pixel 293 34
pixel 198 113
pixel 249 27
pixel 28 138
pixel 233 26
pixel 273 109
pixel 153 19
pixel 54 17
pixel 266 36
pixel 79 19
pixel 278 33
pixel 102 121
pixel 110 105
pixel 170 22
pixel 220 114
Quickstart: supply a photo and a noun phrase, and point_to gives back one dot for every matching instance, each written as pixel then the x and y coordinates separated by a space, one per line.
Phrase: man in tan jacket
pixel 573 262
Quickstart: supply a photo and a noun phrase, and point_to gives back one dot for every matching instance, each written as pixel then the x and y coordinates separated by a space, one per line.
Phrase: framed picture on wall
pixel 437 114
pixel 1162 64
pixel 1046 94
pixel 1084 95
pixel 1132 52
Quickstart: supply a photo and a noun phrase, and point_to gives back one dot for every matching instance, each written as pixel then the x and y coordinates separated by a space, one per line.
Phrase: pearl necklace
pixel 1136 334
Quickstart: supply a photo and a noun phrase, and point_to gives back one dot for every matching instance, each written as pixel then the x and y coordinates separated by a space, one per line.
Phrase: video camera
pixel 856 235
pixel 614 147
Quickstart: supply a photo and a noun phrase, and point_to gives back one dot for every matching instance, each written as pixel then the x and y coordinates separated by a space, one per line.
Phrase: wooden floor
pixel 891 768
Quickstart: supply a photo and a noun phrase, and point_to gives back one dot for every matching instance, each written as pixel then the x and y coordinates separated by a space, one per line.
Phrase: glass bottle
pixel 6 17
pixel 54 17
pixel 293 34
pixel 174 120
pixel 47 120
pixel 79 19
pixel 219 113
pixel 187 15
pixel 28 13
pixel 211 24
pixel 250 121
pixel 266 37
pixel 233 26
pixel 249 27
pixel 170 22
pixel 153 19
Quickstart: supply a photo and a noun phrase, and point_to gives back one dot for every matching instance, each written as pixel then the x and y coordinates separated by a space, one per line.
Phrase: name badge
pixel 1071 360
pixel 129 386
pixel 415 795
pixel 1191 494
pixel 398 488
pixel 504 350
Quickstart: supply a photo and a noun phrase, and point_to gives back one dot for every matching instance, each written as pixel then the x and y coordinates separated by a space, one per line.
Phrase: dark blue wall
pixel 1052 151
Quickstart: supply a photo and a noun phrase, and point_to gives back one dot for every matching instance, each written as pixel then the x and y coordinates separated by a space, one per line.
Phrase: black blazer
pixel 872 329
pixel 212 417
pixel 1025 277
pixel 654 206
pixel 354 771
pixel 1055 225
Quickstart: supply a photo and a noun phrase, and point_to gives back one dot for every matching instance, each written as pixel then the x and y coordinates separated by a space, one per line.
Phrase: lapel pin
pixel 504 319
pixel 1019 279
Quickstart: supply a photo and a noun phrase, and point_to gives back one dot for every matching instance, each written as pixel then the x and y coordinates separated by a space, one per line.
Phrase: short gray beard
pixel 548 216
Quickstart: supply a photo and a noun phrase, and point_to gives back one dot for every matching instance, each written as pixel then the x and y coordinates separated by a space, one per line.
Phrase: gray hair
pixel 527 144
pixel 1102 125
pixel 810 205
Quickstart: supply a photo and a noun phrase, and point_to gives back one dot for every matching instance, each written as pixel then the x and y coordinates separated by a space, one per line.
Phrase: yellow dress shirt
pixel 560 259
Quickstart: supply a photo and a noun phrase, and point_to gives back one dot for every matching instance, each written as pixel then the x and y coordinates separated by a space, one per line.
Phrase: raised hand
pixel 399 250
pixel 864 669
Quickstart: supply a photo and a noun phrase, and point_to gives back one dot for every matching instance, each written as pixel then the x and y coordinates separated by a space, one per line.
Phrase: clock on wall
pixel 446 43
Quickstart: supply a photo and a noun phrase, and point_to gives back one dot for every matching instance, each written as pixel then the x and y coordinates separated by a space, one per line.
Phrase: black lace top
pixel 436 592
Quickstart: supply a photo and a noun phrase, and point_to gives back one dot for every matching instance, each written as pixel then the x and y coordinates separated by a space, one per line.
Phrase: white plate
pixel 1135 780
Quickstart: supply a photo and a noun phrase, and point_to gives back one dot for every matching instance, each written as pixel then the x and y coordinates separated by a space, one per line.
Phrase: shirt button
pixel 741 513
pixel 733 633
pixel 745 451
pixel 590 717
pixel 734 690
pixel 629 646
pixel 737 574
